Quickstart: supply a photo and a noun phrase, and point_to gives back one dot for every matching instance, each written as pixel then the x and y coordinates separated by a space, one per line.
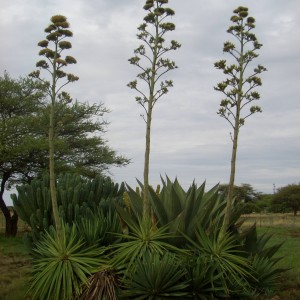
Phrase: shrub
pixel 61 266
pixel 78 198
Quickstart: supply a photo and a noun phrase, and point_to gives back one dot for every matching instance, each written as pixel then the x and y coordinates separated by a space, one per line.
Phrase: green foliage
pixel 264 202
pixel 20 102
pixel 100 228
pixel 77 197
pixel 157 277
pixel 287 198
pixel 159 257
pixel 264 271
pixel 243 193
pixel 266 274
pixel 19 105
pixel 251 207
pixel 225 262
pixel 62 265
pixel 142 238
pixel 79 145
pixel 181 211
pixel 204 282
pixel 215 266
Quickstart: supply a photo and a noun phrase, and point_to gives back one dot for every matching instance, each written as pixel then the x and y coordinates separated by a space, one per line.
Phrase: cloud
pixel 189 139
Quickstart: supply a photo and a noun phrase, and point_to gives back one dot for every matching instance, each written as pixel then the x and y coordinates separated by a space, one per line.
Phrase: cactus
pixel 77 198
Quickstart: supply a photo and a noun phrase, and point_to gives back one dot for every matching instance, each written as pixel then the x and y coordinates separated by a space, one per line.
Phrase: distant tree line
pixel 285 200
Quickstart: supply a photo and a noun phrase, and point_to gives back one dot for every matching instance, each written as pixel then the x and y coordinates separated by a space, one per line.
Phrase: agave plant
pixel 102 285
pixel 100 228
pixel 186 209
pixel 225 262
pixel 263 261
pixel 179 210
pixel 204 282
pixel 156 277
pixel 142 238
pixel 62 265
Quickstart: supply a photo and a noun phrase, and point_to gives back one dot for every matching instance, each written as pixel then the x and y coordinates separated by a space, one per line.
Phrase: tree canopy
pixel 24 122
pixel 244 192
pixel 288 197
pixel 20 100
pixel 79 143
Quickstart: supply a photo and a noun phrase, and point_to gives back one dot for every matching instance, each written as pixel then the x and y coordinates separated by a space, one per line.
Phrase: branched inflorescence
pixel 239 87
pixel 152 33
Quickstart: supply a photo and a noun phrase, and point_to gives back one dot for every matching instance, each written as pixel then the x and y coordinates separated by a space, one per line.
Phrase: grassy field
pixel 272 220
pixel 15 261
pixel 14 268
pixel 289 251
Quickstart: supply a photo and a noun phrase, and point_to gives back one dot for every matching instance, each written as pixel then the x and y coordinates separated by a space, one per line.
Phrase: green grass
pixel 14 268
pixel 15 263
pixel 289 251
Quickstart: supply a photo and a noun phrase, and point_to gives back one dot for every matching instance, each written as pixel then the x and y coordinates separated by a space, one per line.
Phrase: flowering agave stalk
pixel 52 48
pixel 150 59
pixel 238 88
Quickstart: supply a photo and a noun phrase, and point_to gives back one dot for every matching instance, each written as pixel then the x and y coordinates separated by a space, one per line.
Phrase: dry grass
pixel 272 220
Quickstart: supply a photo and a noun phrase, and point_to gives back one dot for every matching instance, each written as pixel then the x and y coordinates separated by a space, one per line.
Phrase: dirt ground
pixel 13 268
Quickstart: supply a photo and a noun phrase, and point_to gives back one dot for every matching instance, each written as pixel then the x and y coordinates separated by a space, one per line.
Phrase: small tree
pixel 20 102
pixel 288 197
pixel 243 193
pixel 79 145
pixel 53 46
pixel 150 59
pixel 238 88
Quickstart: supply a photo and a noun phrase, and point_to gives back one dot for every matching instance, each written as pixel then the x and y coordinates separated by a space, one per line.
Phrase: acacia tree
pixel 288 197
pixel 244 192
pixel 53 46
pixel 24 149
pixel 238 88
pixel 150 59
pixel 20 101
pixel 79 146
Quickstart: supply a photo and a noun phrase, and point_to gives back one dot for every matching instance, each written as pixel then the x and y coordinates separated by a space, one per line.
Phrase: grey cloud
pixel 189 139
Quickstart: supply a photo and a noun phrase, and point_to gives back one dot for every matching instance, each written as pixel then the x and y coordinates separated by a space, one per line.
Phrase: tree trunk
pixel 11 220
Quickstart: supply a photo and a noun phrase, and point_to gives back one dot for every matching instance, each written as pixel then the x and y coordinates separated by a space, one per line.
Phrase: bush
pixel 78 198
pixel 159 257
pixel 61 266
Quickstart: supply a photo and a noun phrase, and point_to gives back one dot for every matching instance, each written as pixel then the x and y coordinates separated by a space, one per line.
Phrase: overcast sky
pixel 189 140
